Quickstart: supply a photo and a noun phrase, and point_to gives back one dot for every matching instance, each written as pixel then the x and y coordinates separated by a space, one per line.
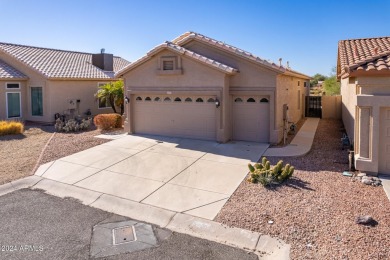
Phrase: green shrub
pixel 72 125
pixel 107 121
pixel 11 127
pixel 264 174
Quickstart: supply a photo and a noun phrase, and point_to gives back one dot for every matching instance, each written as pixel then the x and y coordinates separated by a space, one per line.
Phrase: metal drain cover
pixel 123 235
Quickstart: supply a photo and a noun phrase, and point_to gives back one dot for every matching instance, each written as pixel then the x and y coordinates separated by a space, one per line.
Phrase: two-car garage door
pixel 195 117
pixel 180 116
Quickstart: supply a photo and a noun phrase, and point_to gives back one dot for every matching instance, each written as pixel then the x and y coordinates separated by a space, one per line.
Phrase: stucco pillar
pixel 126 122
pixel 223 127
pixel 364 132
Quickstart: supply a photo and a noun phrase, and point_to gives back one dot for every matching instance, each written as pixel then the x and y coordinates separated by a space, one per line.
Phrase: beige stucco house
pixel 36 83
pixel 363 68
pixel 198 87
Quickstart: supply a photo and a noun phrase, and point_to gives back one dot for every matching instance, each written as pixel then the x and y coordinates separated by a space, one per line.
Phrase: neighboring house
pixel 201 88
pixel 363 68
pixel 36 83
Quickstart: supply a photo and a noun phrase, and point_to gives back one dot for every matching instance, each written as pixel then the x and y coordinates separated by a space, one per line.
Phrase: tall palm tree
pixel 113 94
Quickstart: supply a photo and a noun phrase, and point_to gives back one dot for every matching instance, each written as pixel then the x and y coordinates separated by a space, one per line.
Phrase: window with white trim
pixel 36 101
pixel 103 102
pixel 13 85
pixel 14 104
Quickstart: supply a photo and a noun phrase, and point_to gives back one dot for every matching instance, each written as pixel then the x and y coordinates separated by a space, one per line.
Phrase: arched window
pixel 238 100
pixel 199 100
pixel 177 99
pixel 211 100
pixel 188 99
pixel 250 100
pixel 167 99
pixel 148 99
pixel 263 100
pixel 139 99
pixel 157 99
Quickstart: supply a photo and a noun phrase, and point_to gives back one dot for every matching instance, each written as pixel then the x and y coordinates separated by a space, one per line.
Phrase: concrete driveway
pixel 180 175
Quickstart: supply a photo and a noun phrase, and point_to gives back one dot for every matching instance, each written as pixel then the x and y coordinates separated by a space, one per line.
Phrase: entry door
pixel 384 141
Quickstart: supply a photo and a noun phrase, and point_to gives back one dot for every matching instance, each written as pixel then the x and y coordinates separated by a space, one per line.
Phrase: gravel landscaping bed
pixel 64 144
pixel 315 211
pixel 19 153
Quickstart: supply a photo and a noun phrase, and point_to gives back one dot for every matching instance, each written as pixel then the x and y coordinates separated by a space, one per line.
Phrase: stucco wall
pixel 331 107
pixel 62 91
pixel 251 75
pixel 348 93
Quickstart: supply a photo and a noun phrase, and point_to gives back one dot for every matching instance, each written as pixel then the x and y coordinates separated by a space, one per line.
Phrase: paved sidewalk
pixel 301 144
pixel 386 184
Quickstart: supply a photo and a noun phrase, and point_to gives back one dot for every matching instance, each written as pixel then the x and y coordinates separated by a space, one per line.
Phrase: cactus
pixel 264 174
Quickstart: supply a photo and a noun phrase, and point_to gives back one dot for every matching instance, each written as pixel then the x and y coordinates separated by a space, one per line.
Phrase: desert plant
pixel 72 125
pixel 113 93
pixel 11 127
pixel 264 174
pixel 107 121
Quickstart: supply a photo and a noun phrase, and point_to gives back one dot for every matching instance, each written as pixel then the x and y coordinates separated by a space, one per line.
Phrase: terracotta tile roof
pixel 369 54
pixel 9 72
pixel 54 63
pixel 183 51
pixel 186 37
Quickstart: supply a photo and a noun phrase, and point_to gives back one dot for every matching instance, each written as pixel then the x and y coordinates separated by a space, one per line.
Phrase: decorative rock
pixel 367 181
pixel 270 222
pixel 361 174
pixel 365 220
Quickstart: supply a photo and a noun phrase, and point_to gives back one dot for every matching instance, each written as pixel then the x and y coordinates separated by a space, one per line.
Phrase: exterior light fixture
pixel 217 103
pixel 127 100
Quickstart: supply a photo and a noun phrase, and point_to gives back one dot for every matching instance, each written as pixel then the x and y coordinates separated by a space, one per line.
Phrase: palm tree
pixel 113 94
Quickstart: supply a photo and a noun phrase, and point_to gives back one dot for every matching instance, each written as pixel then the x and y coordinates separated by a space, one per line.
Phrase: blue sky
pixel 305 33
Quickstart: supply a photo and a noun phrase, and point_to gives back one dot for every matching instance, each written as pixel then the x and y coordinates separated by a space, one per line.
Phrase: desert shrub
pixel 11 127
pixel 107 121
pixel 72 125
pixel 264 174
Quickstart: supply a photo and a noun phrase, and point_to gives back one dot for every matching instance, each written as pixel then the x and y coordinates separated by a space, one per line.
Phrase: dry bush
pixel 11 127
pixel 107 121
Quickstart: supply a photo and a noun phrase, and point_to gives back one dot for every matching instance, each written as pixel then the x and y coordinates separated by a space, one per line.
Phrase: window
pixel 148 99
pixel 211 100
pixel 13 105
pixel 157 99
pixel 199 100
pixel 263 100
pixel 138 99
pixel 36 101
pixel 168 65
pixel 188 100
pixel 103 102
pixel 299 99
pixel 299 83
pixel 167 99
pixel 304 84
pixel 250 100
pixel 177 99
pixel 13 86
pixel 238 100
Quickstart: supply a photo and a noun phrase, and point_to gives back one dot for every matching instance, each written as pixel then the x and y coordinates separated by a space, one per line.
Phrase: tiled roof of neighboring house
pixel 183 51
pixel 54 63
pixel 9 72
pixel 186 37
pixel 369 54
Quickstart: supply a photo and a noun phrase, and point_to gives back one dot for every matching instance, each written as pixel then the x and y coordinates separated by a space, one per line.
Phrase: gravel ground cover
pixel 64 144
pixel 290 136
pixel 315 211
pixel 19 153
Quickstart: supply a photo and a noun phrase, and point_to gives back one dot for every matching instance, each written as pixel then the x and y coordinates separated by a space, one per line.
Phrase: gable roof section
pixel 181 51
pixel 368 54
pixel 188 36
pixel 53 63
pixel 9 72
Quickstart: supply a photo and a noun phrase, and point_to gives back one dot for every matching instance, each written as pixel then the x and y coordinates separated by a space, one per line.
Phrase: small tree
pixel 331 86
pixel 113 94
pixel 316 78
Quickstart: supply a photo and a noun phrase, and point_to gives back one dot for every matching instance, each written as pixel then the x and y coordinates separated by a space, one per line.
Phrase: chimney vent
pixel 102 50
pixel 103 61
pixel 280 62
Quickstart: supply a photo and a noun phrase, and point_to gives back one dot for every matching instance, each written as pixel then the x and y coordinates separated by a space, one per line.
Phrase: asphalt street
pixel 35 225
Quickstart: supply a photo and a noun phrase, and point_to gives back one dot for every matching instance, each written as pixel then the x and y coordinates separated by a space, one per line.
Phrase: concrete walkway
pixel 301 144
pixel 386 184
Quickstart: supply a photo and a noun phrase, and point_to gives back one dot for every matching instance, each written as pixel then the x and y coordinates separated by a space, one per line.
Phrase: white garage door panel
pixel 251 119
pixel 384 142
pixel 180 119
